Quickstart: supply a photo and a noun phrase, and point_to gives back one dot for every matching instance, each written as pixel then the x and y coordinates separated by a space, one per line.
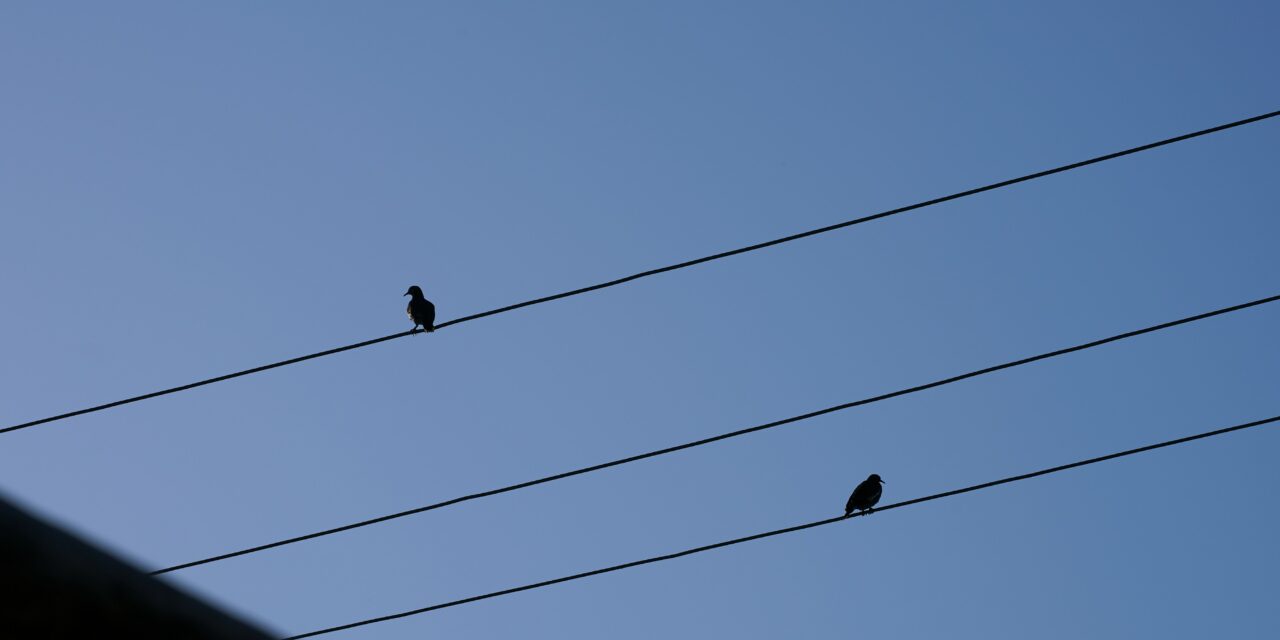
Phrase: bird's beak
pixel 405 294
pixel 882 482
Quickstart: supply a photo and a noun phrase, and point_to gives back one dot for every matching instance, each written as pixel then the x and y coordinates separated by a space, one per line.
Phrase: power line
pixel 651 272
pixel 778 532
pixel 724 436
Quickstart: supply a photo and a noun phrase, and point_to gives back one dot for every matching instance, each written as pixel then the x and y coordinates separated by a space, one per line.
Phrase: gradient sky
pixel 189 189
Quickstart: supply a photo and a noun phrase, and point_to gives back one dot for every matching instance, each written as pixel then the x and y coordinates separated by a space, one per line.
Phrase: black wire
pixel 673 267
pixel 768 534
pixel 725 436
pixel 201 383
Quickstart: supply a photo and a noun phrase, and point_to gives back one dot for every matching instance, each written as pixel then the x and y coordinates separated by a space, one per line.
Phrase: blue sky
pixel 192 189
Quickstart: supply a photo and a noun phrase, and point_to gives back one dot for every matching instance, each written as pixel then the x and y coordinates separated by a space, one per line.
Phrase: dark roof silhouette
pixel 62 587
pixel 865 495
pixel 420 309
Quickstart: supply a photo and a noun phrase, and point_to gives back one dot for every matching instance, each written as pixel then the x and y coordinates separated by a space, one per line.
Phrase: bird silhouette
pixel 420 310
pixel 864 496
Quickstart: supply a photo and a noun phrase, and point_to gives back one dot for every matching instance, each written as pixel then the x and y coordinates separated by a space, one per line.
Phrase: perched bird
pixel 420 310
pixel 864 496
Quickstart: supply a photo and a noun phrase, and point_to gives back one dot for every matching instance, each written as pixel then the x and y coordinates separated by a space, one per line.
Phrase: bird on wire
pixel 864 496
pixel 420 310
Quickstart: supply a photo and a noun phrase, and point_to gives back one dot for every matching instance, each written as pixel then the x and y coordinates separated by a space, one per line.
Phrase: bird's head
pixel 414 291
pixel 875 477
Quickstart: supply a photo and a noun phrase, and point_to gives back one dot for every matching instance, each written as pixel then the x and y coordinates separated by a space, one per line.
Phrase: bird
pixel 864 496
pixel 420 310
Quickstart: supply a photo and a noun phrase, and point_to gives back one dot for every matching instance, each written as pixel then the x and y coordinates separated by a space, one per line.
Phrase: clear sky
pixel 189 189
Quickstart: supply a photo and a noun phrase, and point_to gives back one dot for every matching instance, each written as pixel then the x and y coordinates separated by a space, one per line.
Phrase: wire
pixel 778 532
pixel 651 272
pixel 724 436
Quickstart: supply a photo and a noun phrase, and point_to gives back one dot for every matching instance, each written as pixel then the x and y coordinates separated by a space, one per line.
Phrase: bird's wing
pixel 874 497
pixel 863 494
pixel 422 312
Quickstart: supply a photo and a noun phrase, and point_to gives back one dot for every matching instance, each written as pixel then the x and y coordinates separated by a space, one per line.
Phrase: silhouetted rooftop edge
pixel 651 272
pixel 777 532
pixel 58 585
pixel 724 436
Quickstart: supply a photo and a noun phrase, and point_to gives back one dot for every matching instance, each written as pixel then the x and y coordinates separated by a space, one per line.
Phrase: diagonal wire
pixel 778 532
pixel 723 436
pixel 672 267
